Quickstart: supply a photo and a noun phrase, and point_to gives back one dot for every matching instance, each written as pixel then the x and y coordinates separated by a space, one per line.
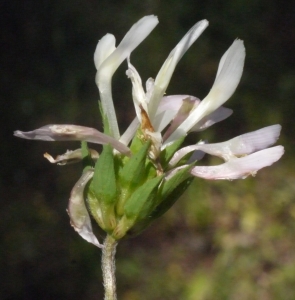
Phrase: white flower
pixel 187 113
pixel 163 122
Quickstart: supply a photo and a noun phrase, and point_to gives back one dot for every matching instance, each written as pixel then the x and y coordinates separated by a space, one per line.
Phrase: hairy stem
pixel 108 268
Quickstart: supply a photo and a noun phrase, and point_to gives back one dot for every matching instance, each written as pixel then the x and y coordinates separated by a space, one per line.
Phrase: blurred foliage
pixel 222 240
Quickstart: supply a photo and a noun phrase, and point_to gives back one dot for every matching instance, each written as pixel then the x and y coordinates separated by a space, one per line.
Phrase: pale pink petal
pixel 196 156
pixel 72 133
pixel 186 107
pixel 218 115
pixel 238 146
pixel 174 102
pixel 240 168
pixel 168 108
pixel 245 143
pixel 78 213
pixel 178 155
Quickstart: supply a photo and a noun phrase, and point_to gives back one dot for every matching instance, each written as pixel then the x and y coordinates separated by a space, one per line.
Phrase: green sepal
pixel 132 176
pixel 133 173
pixel 138 207
pixel 169 151
pixel 142 201
pixel 95 208
pixel 171 190
pixel 104 178
pixel 87 161
pixel 161 209
pixel 104 186
pixel 168 194
pixel 168 203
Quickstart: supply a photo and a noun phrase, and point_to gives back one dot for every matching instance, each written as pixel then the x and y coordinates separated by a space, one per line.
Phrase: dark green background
pixel 222 240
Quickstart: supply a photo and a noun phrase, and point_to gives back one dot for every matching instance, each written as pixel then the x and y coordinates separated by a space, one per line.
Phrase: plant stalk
pixel 108 268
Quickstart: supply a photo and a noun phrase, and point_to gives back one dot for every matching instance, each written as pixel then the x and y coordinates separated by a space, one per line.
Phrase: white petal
pixel 104 48
pixel 130 132
pixel 66 132
pixel 149 86
pixel 78 213
pixel 163 78
pixel 227 79
pixel 228 76
pixel 138 32
pixel 138 94
pixel 240 168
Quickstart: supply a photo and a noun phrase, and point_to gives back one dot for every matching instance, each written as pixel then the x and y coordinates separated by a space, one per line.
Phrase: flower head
pixel 140 174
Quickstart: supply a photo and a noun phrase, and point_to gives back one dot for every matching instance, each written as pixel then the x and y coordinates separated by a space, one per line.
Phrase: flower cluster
pixel 141 173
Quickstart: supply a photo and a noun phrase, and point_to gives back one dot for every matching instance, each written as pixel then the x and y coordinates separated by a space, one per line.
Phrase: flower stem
pixel 108 268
